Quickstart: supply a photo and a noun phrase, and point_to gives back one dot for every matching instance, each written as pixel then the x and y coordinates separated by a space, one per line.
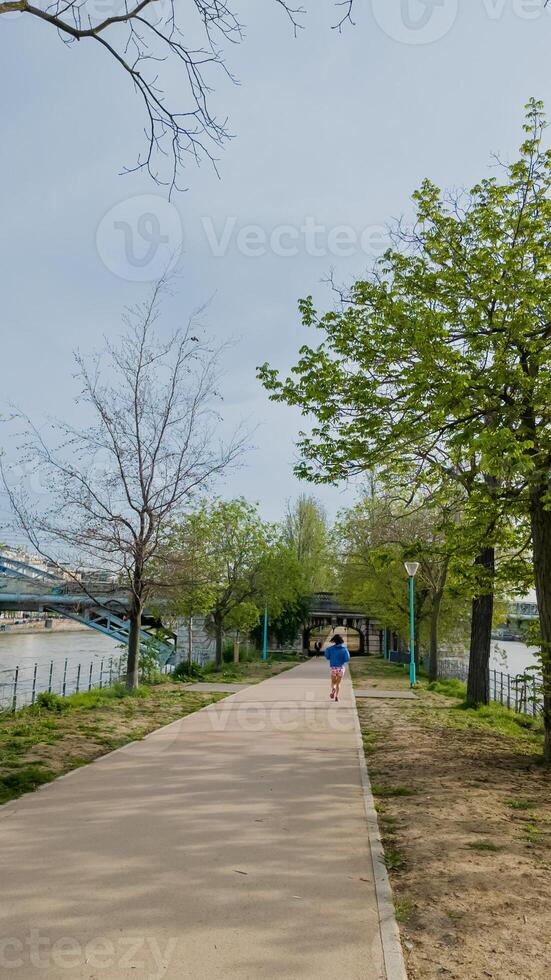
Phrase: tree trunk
pixel 219 631
pixel 236 650
pixel 433 643
pixel 541 546
pixel 190 640
pixel 478 683
pixel 136 609
pixel 133 661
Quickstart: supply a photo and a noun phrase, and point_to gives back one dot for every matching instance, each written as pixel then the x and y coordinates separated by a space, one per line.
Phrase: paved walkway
pixel 230 844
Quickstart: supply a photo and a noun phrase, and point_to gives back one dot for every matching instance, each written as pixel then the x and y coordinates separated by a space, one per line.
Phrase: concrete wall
pixel 204 645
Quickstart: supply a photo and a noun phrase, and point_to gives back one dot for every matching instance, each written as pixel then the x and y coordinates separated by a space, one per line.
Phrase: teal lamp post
pixel 411 568
pixel 265 635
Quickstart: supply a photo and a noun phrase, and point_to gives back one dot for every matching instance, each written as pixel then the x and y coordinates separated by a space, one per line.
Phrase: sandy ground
pixel 469 844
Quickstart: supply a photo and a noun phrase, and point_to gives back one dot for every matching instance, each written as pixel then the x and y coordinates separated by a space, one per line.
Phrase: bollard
pixel 14 698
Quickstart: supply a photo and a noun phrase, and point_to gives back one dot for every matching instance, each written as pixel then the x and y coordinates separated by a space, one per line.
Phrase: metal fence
pixel 21 685
pixel 521 693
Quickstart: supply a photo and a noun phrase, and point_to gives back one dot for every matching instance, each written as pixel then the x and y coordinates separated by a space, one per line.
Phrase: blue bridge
pixel 99 606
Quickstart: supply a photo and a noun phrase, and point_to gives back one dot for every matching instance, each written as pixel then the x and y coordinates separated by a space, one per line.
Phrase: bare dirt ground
pixel 465 813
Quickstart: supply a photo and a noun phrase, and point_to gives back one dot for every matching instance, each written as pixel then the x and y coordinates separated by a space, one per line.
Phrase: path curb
pixel 390 934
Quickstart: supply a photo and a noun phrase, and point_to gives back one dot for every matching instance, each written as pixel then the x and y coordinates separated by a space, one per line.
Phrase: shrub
pixel 185 671
pixel 48 701
pixel 452 688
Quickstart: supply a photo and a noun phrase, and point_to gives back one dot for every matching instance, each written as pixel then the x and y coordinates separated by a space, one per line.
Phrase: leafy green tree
pixel 286 625
pixel 306 532
pixel 185 567
pixel 247 562
pixel 242 619
pixel 377 536
pixel 448 364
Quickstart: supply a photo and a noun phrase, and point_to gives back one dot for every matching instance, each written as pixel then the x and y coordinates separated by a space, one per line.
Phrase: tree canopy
pixel 443 361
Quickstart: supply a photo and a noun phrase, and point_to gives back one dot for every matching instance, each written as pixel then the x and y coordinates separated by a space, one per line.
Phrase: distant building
pixel 521 614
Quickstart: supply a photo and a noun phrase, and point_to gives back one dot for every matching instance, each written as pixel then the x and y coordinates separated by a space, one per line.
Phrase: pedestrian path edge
pixel 390 934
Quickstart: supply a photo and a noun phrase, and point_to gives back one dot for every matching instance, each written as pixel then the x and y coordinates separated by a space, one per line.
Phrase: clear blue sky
pixel 330 130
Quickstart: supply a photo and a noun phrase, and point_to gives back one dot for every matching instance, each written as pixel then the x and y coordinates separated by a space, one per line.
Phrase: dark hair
pixel 338 640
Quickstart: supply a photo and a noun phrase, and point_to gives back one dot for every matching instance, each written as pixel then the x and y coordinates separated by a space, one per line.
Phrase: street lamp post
pixel 265 635
pixel 411 569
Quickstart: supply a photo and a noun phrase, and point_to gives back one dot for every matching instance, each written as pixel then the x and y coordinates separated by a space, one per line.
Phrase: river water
pixel 517 657
pixel 97 655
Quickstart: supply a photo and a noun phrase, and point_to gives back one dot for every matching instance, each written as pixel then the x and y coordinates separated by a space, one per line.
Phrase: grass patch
pixel 388 791
pixel 519 804
pixel 483 845
pixel 25 780
pixel 403 910
pixel 531 835
pixel 87 726
pixel 452 688
pixel 252 670
pixel 394 859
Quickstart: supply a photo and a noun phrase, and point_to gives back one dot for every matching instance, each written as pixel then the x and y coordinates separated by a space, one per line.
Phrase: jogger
pixel 338 656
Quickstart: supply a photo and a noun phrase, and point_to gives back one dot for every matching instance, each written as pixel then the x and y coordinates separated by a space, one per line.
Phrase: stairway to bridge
pixel 100 606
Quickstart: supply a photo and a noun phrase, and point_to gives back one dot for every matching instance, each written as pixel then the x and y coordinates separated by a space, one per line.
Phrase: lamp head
pixel 411 568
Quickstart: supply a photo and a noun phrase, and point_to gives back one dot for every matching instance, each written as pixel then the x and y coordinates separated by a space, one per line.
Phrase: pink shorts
pixel 337 672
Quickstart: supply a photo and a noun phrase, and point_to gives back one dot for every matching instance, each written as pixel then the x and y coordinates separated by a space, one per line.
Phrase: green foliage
pixel 47 701
pixel 448 372
pixel 306 533
pixel 519 804
pixel 24 780
pixel 393 858
pixel 451 688
pixel 286 626
pixel 388 791
pixel 248 562
pixel 185 671
pixel 376 537
pixel 403 910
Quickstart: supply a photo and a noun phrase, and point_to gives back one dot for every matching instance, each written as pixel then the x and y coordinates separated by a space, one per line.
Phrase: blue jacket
pixel 337 656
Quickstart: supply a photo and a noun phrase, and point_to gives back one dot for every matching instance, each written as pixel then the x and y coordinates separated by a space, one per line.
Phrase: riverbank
pixel 464 806
pixel 49 625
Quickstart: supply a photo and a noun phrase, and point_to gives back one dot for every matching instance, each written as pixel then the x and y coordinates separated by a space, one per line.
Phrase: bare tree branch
pixel 149 38
pixel 150 447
